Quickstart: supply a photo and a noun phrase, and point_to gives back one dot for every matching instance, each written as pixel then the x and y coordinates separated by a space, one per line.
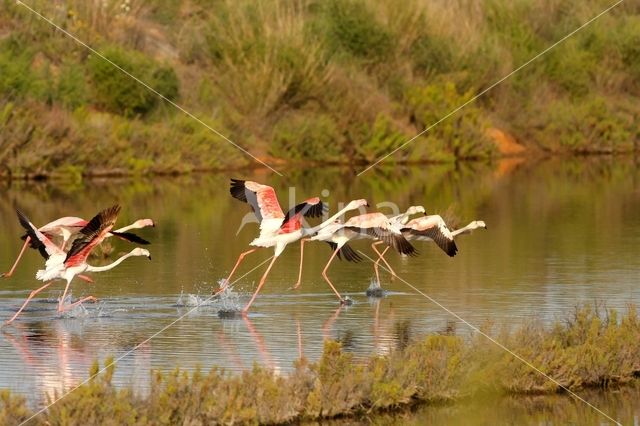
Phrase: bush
pixel 590 126
pixel 308 137
pixel 354 28
pixel 461 135
pixel 118 92
pixel 15 72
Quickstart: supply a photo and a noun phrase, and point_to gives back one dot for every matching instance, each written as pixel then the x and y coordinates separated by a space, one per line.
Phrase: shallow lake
pixel 560 233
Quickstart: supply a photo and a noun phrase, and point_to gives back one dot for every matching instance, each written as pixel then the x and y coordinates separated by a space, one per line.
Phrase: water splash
pixel 229 300
pixel 375 290
pixel 190 300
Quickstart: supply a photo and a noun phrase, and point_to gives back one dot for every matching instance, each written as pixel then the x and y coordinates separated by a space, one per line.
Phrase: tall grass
pixel 329 81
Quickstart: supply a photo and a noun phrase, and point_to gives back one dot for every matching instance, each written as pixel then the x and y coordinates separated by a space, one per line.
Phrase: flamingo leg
pixel 13 268
pixel 84 299
pixel 86 279
pixel 373 246
pixel 64 294
pixel 297 284
pixel 227 281
pixel 326 278
pixel 24 305
pixel 262 280
pixel 377 264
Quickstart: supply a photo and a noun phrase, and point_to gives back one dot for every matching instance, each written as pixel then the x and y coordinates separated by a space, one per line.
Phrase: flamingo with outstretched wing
pixel 65 266
pixel 69 226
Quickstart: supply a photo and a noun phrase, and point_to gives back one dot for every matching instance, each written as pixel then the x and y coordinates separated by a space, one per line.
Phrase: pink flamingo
pixel 433 228
pixel 277 230
pixel 346 251
pixel 375 226
pixel 69 226
pixel 65 266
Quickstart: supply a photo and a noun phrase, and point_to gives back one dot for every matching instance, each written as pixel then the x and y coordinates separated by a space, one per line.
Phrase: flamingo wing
pixel 261 198
pixel 92 235
pixel 436 229
pixel 389 236
pixel 38 240
pixel 349 254
pixel 312 207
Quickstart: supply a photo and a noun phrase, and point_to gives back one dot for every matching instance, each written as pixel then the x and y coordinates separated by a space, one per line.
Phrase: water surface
pixel 560 233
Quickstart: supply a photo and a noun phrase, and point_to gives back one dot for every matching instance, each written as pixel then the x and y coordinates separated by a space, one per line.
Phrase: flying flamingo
pixel 69 226
pixel 65 266
pixel 433 228
pixel 375 226
pixel 346 251
pixel 277 230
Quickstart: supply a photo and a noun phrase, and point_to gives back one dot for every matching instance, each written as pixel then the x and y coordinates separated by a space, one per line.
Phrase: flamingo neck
pixel 109 266
pixel 402 218
pixel 134 225
pixel 470 227
pixel 310 231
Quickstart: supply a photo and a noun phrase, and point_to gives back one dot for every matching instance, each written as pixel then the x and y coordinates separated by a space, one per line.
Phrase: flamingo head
pixel 416 209
pixel 141 252
pixel 356 204
pixel 143 223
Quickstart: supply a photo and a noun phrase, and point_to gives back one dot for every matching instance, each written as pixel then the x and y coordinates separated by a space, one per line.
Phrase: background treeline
pixel 309 80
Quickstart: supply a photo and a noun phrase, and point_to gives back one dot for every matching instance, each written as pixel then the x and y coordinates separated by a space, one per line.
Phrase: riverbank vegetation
pixel 592 348
pixel 299 81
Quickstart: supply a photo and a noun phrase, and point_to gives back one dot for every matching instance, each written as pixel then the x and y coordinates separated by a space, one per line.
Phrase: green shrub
pixel 71 88
pixel 461 135
pixel 590 126
pixel 15 70
pixel 118 92
pixel 308 137
pixel 354 28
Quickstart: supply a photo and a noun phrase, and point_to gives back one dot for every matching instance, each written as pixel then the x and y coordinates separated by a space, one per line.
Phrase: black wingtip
pixel 405 247
pixel 349 254
pixel 237 190
pixel 452 249
pixel 131 237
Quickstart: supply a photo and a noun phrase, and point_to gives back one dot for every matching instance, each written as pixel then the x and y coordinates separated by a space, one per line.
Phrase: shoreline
pixel 282 165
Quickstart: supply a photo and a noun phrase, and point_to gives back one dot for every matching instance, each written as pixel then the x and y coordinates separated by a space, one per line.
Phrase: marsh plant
pixel 594 348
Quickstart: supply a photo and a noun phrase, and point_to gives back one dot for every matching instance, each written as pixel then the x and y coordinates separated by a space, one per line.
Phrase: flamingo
pixel 376 226
pixel 346 251
pixel 65 266
pixel 69 226
pixel 433 228
pixel 278 230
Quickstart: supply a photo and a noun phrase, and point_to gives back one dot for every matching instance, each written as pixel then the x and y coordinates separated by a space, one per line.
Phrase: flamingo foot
pixel 376 291
pixel 295 286
pixel 74 304
pixel 346 301
pixel 230 314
